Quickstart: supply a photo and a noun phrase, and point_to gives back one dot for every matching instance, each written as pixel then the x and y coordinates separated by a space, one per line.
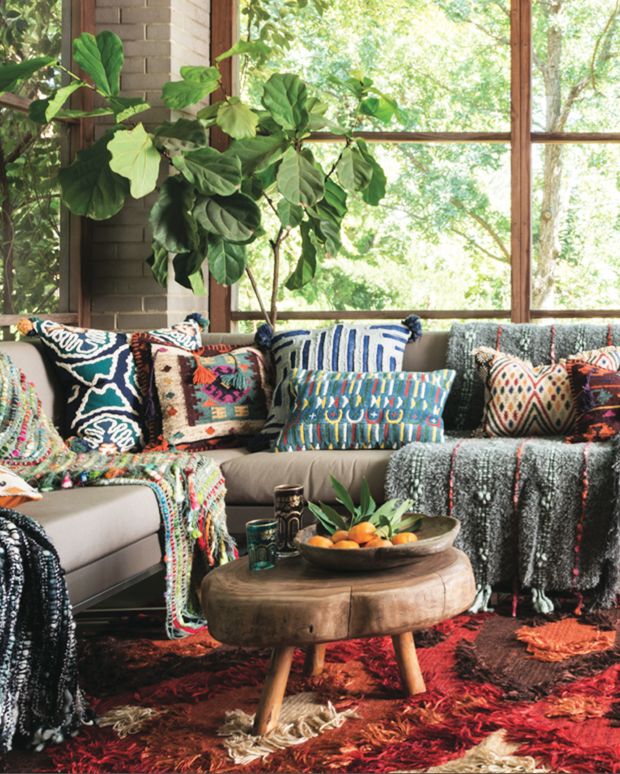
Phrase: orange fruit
pixel 378 543
pixel 404 537
pixel 362 532
pixel 340 534
pixel 320 542
pixel 346 544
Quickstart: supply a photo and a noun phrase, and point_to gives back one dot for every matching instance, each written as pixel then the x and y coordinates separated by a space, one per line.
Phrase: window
pixel 39 245
pixel 489 213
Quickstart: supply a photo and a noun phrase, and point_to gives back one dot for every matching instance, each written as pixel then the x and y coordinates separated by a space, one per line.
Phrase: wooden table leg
pixel 410 672
pixel 274 687
pixel 315 660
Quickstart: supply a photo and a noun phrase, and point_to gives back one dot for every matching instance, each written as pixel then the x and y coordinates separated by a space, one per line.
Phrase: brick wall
pixel 159 37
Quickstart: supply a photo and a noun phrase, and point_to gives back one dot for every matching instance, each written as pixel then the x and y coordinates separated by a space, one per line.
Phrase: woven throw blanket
pixel 538 343
pixel 189 489
pixel 536 512
pixel 40 700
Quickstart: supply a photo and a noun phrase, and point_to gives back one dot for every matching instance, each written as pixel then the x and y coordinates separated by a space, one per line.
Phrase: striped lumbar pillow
pixel 336 410
pixel 339 348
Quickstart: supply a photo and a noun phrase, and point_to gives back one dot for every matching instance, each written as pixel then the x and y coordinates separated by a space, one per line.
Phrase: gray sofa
pixel 108 538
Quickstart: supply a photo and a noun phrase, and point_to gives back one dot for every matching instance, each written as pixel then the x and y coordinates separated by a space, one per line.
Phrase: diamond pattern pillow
pixel 98 370
pixel 523 400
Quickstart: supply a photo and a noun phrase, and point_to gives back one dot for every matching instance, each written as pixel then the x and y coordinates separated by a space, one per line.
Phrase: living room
pixel 310 375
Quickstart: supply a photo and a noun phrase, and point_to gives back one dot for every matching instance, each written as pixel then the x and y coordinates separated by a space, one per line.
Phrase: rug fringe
pixel 127 719
pixel 302 718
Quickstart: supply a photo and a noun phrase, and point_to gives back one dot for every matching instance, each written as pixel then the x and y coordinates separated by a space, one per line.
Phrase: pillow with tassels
pixel 204 398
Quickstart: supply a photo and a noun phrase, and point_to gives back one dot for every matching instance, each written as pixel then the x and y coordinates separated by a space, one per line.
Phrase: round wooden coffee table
pixel 298 605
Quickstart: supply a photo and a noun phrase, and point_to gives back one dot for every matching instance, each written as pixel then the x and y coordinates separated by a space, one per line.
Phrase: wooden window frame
pixel 224 32
pixel 81 133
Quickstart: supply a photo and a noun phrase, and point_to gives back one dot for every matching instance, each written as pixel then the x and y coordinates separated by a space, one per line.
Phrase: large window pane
pixel 439 240
pixel 576 227
pixel 30 238
pixel 576 65
pixel 447 63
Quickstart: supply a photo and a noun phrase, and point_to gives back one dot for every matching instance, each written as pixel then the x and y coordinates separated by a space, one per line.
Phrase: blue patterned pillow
pixel 98 371
pixel 341 347
pixel 335 410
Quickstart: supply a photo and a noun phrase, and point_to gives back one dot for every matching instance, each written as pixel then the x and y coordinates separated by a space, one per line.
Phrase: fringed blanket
pixel 189 488
pixel 40 700
pixel 535 512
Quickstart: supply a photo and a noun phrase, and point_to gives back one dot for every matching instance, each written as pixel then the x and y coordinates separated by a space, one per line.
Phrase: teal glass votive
pixel 262 535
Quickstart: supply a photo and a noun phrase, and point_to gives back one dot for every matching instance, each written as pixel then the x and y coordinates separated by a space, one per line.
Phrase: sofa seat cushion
pixel 87 524
pixel 251 478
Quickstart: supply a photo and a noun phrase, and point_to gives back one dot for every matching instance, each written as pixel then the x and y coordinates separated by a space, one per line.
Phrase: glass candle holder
pixel 288 504
pixel 262 537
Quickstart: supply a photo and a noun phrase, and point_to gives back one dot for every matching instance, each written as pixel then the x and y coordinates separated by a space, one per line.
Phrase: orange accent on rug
pixel 561 640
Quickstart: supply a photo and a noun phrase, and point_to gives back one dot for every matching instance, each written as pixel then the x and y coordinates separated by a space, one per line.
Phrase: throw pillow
pixel 522 399
pixel 99 373
pixel 14 490
pixel 597 397
pixel 335 410
pixel 378 347
pixel 209 397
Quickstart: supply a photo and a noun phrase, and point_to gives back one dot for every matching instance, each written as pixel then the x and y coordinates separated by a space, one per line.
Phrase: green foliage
pixel 387 518
pixel 216 205
pixel 12 74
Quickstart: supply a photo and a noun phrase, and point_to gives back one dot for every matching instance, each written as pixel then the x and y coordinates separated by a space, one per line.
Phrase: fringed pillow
pixel 205 398
pixel 361 348
pixel 98 370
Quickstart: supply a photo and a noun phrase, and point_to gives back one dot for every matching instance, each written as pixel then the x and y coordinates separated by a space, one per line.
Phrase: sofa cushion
pixel 251 478
pixel 87 524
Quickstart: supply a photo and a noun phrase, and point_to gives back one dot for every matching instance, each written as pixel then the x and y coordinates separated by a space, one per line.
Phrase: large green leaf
pixel 208 114
pixel 210 171
pixel 235 218
pixel 254 48
pixel 12 73
pixel 158 261
pixel 306 267
pixel 327 231
pixel 289 214
pixel 375 190
pixel 299 180
pixel 188 270
pixel 227 261
pixel 285 97
pixel 184 130
pixel 135 157
pixel 378 107
pixel 44 110
pixel 237 119
pixel 126 107
pixel 354 169
pixel 102 58
pixel 197 83
pixel 89 186
pixel 258 153
pixel 173 226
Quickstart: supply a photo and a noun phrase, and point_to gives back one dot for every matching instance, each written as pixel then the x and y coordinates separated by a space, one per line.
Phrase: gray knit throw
pixel 535 512
pixel 538 343
pixel 40 700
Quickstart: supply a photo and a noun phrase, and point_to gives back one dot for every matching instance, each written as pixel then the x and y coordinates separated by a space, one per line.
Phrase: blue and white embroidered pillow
pixel 361 348
pixel 98 370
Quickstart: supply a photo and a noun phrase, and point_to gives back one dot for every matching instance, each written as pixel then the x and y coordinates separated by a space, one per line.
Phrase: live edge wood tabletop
pixel 298 605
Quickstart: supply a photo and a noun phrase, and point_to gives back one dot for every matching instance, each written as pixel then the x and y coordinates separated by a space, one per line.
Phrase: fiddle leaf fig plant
pixel 212 205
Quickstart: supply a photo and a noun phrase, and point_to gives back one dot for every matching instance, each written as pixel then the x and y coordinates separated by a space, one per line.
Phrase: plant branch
pixel 275 247
pixel 259 298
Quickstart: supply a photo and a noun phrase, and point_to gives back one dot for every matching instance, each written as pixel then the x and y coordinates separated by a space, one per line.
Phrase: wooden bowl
pixel 435 534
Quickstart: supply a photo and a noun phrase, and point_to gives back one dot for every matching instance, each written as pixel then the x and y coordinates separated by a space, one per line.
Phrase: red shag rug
pixel 503 695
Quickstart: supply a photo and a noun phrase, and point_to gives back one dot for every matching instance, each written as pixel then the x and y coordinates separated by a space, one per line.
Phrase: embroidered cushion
pixel 140 344
pixel 98 370
pixel 209 397
pixel 522 399
pixel 597 397
pixel 342 410
pixel 14 490
pixel 339 348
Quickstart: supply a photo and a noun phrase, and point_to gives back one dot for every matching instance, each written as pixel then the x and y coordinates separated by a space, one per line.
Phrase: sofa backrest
pixel 428 354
